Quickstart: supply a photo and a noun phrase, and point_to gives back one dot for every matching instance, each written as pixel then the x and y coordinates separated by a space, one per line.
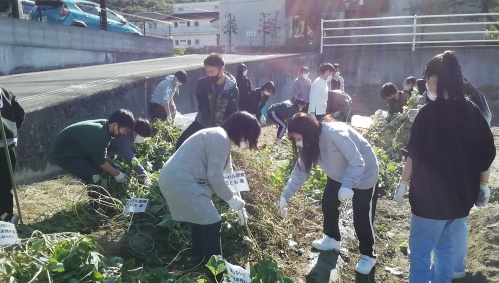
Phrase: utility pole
pixel 103 15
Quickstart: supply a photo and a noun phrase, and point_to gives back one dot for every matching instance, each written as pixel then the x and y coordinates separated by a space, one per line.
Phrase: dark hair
pixel 299 102
pixel 387 90
pixel 326 67
pixel 240 69
pixel 421 84
pixel 303 124
pixel 336 66
pixel 143 128
pixel 122 117
pixel 450 77
pixel 243 125
pixel 269 86
pixel 181 76
pixel 410 80
pixel 214 60
pixel 303 70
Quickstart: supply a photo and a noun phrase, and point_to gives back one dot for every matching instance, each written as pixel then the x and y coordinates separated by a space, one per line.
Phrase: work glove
pixel 173 114
pixel 484 196
pixel 147 181
pixel 236 203
pixel 121 178
pixel 400 191
pixel 262 121
pixel 243 217
pixel 345 194
pixel 282 210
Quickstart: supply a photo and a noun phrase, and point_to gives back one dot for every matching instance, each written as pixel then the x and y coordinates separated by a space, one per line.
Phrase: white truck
pixel 24 8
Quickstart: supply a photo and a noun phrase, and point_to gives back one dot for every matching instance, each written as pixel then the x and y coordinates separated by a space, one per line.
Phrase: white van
pixel 25 7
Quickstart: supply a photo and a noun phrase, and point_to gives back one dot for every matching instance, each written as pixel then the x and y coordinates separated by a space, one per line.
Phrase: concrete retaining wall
pixel 43 124
pixel 32 46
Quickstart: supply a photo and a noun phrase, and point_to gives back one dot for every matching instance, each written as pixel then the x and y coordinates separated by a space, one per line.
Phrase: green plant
pixel 178 50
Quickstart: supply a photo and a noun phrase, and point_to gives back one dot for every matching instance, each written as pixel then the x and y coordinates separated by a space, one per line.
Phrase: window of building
pixel 196 41
pixel 180 9
pixel 176 42
pixel 196 24
pixel 189 42
pixel 155 25
pixel 150 25
pixel 176 24
pixel 188 24
pixel 217 7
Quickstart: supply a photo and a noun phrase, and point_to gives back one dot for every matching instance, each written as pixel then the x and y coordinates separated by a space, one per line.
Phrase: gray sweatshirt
pixel 345 156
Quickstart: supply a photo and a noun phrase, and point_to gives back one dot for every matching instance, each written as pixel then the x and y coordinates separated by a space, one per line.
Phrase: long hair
pixel 243 125
pixel 450 77
pixel 303 124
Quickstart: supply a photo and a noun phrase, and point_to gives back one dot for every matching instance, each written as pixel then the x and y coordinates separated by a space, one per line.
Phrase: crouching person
pixel 352 169
pixel 122 146
pixel 281 112
pixel 196 171
pixel 81 148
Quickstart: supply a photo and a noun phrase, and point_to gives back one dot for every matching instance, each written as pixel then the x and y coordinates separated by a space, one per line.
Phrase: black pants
pixel 191 130
pixel 6 196
pixel 280 122
pixel 83 168
pixel 364 207
pixel 319 117
pixel 206 240
pixel 158 112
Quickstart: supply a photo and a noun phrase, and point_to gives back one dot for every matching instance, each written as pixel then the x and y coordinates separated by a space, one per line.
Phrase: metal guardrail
pixel 410 30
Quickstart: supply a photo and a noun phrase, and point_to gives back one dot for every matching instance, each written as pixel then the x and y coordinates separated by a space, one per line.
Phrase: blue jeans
pixel 460 248
pixel 427 235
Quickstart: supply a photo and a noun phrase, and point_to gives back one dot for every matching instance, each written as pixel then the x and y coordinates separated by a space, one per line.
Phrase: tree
pixel 275 28
pixel 230 28
pixel 264 26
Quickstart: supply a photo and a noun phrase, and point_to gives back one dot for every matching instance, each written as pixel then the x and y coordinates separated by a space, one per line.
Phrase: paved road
pixel 33 88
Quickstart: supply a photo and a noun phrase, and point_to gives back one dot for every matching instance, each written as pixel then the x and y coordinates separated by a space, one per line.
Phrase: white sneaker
pixel 365 264
pixel 326 244
pixel 459 275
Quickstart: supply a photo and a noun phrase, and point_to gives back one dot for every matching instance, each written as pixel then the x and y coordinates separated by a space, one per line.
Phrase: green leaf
pixel 56 267
pixel 97 275
pixel 6 267
pixel 36 245
pixel 216 264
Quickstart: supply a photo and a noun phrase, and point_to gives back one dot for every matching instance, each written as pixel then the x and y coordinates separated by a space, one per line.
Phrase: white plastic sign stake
pixel 135 205
pixel 237 274
pixel 1 101
pixel 237 181
pixel 8 234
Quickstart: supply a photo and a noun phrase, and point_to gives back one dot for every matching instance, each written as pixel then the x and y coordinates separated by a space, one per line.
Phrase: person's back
pixel 339 103
pixel 449 147
pixel 285 109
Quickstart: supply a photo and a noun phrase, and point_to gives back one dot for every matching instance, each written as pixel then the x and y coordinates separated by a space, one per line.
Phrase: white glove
pixel 282 209
pixel 243 217
pixel 236 203
pixel 412 114
pixel 147 181
pixel 484 196
pixel 400 191
pixel 121 178
pixel 263 121
pixel 345 194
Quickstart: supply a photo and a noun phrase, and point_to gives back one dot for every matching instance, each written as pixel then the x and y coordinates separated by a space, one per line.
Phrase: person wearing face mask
pixel 319 91
pixel 122 146
pixel 301 87
pixel 196 171
pixel 409 85
pixel 396 100
pixel 162 98
pixel 244 86
pixel 351 166
pixel 339 104
pixel 217 96
pixel 337 81
pixel 258 97
pixel 81 148
pixel 450 150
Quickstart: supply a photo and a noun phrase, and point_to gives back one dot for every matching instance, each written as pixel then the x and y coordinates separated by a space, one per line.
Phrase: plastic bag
pixel 184 120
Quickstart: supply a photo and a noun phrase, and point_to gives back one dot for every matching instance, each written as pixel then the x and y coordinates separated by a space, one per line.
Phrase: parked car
pixel 79 13
pixel 25 7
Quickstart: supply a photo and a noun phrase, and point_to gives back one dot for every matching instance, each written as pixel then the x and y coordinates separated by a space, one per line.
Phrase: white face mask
pixel 329 78
pixel 430 93
pixel 299 143
pixel 338 74
pixel 243 144
pixel 305 76
pixel 245 73
pixel 139 139
pixel 266 93
pixel 178 83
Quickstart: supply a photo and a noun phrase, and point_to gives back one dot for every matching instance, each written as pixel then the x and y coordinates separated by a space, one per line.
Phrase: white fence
pixel 415 31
